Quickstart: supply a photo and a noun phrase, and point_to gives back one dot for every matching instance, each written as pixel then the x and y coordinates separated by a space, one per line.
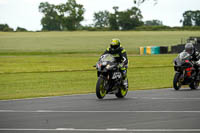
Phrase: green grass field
pixel 85 42
pixel 35 76
pixel 60 63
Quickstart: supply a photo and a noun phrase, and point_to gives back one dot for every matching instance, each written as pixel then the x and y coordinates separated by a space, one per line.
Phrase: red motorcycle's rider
pixel 195 56
pixel 120 55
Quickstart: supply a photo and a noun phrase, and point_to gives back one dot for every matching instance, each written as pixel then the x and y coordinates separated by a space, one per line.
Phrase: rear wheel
pixel 177 81
pixel 100 90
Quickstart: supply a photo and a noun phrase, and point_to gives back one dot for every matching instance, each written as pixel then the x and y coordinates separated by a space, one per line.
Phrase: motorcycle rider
pixel 195 57
pixel 120 55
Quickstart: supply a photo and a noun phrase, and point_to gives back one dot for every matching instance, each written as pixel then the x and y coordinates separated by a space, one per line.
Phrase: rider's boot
pixel 125 79
pixel 125 83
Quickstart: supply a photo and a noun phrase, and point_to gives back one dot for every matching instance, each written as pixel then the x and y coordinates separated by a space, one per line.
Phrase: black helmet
pixel 115 44
pixel 189 48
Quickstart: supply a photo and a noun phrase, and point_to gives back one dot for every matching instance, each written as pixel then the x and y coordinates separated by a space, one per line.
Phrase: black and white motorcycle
pixel 110 80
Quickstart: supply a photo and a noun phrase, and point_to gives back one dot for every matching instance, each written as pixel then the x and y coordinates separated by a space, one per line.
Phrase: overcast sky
pixel 25 13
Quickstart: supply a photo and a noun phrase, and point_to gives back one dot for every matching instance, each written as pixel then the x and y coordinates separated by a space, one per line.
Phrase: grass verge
pixel 38 76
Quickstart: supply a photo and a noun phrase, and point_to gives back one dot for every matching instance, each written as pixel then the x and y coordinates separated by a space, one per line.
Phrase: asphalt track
pixel 162 110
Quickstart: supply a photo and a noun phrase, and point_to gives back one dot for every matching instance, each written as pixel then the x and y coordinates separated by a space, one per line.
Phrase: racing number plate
pixel 116 75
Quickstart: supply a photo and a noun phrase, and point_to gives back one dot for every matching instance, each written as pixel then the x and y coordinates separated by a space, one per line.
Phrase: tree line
pixel 6 28
pixel 119 20
pixel 68 17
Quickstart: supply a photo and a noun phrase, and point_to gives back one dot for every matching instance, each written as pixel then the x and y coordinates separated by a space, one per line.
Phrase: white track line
pixel 163 98
pixel 45 97
pixel 150 98
pixel 57 111
pixel 103 130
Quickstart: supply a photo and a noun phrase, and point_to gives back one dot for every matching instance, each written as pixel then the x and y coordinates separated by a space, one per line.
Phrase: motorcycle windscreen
pixel 107 57
pixel 183 56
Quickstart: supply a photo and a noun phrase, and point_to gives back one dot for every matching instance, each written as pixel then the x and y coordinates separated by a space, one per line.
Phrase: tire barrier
pixel 153 50
pixel 197 46
pixel 141 50
pixel 179 48
pixel 148 49
pixel 164 50
pixel 174 49
pixel 195 40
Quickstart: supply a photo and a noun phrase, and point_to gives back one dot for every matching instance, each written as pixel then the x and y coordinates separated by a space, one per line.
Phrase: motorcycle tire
pixel 194 85
pixel 100 90
pixel 176 82
pixel 122 92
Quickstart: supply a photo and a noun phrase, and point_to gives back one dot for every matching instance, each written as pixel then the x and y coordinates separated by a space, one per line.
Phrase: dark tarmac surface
pixel 162 110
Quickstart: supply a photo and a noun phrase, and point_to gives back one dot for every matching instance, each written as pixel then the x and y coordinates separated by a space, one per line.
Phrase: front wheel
pixel 100 88
pixel 122 92
pixel 177 81
pixel 194 85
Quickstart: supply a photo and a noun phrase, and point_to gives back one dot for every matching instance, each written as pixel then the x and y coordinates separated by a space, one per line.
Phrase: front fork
pixel 106 84
pixel 181 77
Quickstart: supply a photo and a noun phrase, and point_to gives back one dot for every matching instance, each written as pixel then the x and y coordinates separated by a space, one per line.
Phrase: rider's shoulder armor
pixel 123 50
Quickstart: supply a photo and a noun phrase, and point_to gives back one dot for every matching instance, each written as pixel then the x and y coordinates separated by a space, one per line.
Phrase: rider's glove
pixel 121 65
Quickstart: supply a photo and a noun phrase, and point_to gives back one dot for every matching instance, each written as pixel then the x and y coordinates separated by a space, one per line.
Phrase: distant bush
pixel 89 28
pixel 191 28
pixel 153 23
pixel 5 28
pixel 19 29
pixel 152 28
pixel 167 28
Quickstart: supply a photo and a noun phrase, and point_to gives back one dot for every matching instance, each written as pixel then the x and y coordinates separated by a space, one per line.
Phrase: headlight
pixel 108 66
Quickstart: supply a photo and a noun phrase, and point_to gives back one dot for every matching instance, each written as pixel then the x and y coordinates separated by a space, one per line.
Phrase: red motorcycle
pixel 185 72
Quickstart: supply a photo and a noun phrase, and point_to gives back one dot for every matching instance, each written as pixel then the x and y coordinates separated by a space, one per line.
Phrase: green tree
pixel 187 16
pixel 130 19
pixel 196 17
pixel 101 19
pixel 113 19
pixel 51 21
pixel 191 18
pixel 61 17
pixel 71 14
pixel 123 20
